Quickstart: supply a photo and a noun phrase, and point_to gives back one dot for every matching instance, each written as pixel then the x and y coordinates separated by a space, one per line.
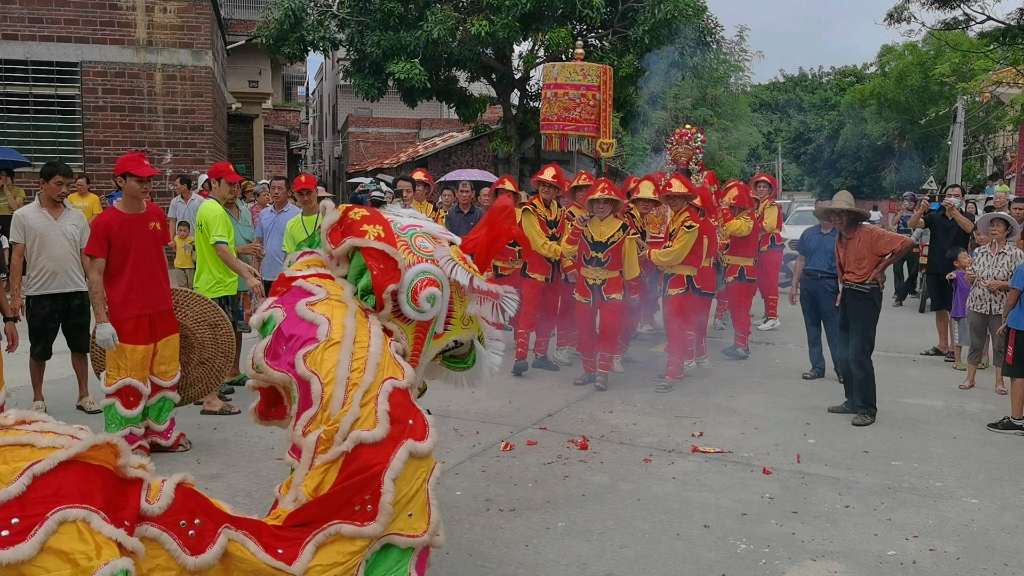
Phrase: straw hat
pixel 582 179
pixel 207 346
pixel 646 189
pixel 842 201
pixel 1013 229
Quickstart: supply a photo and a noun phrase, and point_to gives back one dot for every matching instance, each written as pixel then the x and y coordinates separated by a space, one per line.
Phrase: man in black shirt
pixel 465 215
pixel 950 227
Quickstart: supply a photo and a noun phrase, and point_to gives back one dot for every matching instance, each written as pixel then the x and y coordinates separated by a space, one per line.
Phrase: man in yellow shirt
pixel 421 194
pixel 84 200
pixel 308 223
pixel 11 198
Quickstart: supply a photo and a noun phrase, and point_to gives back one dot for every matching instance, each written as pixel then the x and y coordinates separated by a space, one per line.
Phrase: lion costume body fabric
pixel 366 310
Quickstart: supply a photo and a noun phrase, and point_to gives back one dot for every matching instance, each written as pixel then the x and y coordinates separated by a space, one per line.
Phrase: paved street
pixel 926 490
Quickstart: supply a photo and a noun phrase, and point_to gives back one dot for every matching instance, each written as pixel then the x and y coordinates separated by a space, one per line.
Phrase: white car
pixel 801 219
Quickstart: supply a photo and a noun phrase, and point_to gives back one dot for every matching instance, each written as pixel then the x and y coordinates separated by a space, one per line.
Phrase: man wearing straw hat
pixel 863 253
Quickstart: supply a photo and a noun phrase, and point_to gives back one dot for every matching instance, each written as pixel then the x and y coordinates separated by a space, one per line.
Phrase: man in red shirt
pixel 131 299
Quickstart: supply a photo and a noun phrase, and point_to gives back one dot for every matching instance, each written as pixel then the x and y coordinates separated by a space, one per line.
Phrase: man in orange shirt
pixel 542 223
pixel 863 253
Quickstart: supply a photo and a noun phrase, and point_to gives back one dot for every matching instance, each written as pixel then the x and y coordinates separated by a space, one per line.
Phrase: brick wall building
pixel 88 81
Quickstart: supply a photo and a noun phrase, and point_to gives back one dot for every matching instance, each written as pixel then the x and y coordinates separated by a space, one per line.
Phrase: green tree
pixel 707 87
pixel 430 49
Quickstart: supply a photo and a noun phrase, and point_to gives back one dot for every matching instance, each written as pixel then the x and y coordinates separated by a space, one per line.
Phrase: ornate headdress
pixel 685 149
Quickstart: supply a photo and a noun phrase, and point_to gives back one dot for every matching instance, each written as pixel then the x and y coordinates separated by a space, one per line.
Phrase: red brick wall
pixel 275 153
pixel 472 154
pixel 169 23
pixel 281 117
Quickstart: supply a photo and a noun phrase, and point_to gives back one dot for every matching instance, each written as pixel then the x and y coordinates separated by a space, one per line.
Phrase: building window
pixel 41 110
pixel 293 83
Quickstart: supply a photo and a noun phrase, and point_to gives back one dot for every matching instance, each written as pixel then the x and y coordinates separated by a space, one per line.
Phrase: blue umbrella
pixel 12 159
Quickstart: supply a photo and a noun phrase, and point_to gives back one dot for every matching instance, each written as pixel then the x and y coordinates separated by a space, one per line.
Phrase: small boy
pixel 961 289
pixel 184 272
pixel 1013 366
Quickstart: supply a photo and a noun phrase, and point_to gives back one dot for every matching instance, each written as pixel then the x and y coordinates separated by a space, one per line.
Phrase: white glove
pixel 106 336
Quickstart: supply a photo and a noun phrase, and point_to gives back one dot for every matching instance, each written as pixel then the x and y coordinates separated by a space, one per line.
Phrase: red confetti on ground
pixel 697 434
pixel 550 415
pixel 931 549
pixel 543 427
pixel 647 460
pixel 766 471
pixel 583 444
pixel 477 431
pixel 531 442
pixel 707 450
pixel 865 451
pixel 847 506
pixel 507 446
pixel 915 535
pixel 797 458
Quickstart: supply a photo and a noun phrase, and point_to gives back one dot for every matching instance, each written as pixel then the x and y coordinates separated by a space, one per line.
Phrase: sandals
pixel 811 375
pixel 663 387
pixel 984 364
pixel 225 410
pixel 601 383
pixel 933 352
pixel 950 356
pixel 587 378
pixel 966 385
pixel 221 397
pixel 960 366
pixel 89 406
pixel 182 444
pixel 1001 390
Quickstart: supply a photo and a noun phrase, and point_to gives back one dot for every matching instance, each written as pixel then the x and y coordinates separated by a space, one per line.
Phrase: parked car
pixel 799 220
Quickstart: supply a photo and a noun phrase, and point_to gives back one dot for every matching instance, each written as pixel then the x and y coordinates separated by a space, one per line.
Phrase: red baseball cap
pixel 225 170
pixel 304 182
pixel 136 164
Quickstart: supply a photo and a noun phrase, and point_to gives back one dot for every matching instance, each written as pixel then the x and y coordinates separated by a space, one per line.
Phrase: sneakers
pixel 574 353
pixel 1007 426
pixel 897 304
pixel 562 357
pixel 736 353
pixel 689 365
pixel 520 367
pixel 840 409
pixel 769 324
pixel 718 324
pixel 617 365
pixel 645 329
pixel 704 362
pixel 89 406
pixel 863 420
pixel 39 406
pixel 544 363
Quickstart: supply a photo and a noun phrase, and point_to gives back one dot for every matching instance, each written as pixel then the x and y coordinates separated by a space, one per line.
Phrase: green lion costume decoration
pixel 366 310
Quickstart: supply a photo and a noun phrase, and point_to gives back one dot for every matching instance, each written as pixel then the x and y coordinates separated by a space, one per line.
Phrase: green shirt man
pixel 309 222
pixel 213 226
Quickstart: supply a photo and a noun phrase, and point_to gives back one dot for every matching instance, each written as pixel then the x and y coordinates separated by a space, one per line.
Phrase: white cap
pixel 202 180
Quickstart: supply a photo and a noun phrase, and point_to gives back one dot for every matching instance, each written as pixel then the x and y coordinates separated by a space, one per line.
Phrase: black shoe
pixel 863 420
pixel 897 304
pixel 843 408
pixel 1006 426
pixel 545 363
pixel 812 375
pixel 520 367
pixel 736 353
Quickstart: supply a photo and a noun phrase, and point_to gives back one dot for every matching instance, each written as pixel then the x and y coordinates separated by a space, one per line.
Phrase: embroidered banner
pixel 576 108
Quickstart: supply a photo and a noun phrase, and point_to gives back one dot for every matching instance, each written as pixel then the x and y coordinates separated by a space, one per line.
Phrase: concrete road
pixel 926 490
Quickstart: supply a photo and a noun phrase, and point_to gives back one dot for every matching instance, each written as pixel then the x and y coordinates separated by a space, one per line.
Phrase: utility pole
pixel 954 172
pixel 778 169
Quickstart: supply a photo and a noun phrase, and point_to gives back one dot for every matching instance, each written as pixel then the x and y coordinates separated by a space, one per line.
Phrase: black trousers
pixel 906 285
pixel 858 321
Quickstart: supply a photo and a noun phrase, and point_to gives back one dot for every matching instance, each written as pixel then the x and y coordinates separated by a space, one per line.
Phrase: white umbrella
pixel 385 178
pixel 359 180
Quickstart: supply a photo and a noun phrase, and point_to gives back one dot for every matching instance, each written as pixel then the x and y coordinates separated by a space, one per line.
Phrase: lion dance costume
pixel 378 301
pixel 605 252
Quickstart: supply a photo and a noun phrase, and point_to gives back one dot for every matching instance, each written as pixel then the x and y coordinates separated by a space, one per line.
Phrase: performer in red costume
pixel 770 248
pixel 607 254
pixel 740 228
pixel 565 346
pixel 705 210
pixel 688 280
pixel 541 220
pixel 507 267
pixel 642 199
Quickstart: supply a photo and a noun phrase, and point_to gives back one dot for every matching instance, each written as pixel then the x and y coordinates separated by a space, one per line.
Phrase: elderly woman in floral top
pixel 989 276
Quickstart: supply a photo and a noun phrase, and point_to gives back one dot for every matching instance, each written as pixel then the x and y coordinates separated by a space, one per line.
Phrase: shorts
pixel 961 333
pixel 232 306
pixel 1013 365
pixel 940 291
pixel 183 277
pixel 67 312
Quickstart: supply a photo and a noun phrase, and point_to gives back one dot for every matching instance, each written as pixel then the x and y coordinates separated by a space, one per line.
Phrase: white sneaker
pixel 573 353
pixel 770 324
pixel 704 362
pixel 689 365
pixel 562 357
pixel 39 406
pixel 617 366
pixel 718 325
pixel 645 329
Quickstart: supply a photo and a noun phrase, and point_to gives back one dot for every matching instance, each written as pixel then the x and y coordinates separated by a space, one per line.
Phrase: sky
pixel 808 33
pixel 795 33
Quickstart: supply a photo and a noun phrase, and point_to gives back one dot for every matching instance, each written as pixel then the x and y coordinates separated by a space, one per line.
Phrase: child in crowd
pixel 1013 367
pixel 961 289
pixel 184 272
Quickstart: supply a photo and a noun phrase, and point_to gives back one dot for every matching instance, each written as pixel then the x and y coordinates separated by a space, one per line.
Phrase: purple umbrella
pixel 479 178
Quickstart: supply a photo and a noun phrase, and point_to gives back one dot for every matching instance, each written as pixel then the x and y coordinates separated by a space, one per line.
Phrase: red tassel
pixel 495 230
